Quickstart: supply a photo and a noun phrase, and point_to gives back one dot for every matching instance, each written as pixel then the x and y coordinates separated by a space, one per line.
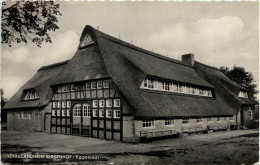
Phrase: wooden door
pixel 47 122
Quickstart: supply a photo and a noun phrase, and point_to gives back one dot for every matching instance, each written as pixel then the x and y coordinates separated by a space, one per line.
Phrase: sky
pixel 217 33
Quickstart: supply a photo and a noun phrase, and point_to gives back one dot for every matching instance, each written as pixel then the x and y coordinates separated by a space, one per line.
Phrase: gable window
pixel 199 120
pixel 166 86
pixel 209 119
pixel 185 121
pixel 117 113
pixel 106 83
pixel 148 123
pixel 86 110
pixel 168 122
pixel 109 103
pixel 95 112
pixel 109 113
pixel 31 94
pixel 117 103
pixel 180 88
pixel 209 93
pixel 93 85
pixel 86 41
pixel 150 83
pixel 77 110
pixel 242 94
pixel 99 84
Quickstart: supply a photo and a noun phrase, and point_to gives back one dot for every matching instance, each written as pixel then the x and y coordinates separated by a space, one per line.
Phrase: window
pixel 59 104
pixel 58 112
pixel 150 83
pixel 99 84
pixel 86 41
pixel 63 112
pixel 68 104
pixel 67 88
pixel 231 118
pixel 54 104
pixel 180 88
pixel 148 123
pixel 200 92
pixel 109 113
pixel 93 85
pixel 146 83
pixel 64 88
pixel 25 115
pixel 95 103
pixel 101 113
pixel 109 103
pixel 166 86
pixel 186 121
pixel 117 113
pixel 86 110
pixel 224 118
pixel 117 103
pixel 53 112
pixel 193 90
pixel 63 104
pixel 31 95
pixel 101 103
pixel 209 119
pixel 106 83
pixel 199 120
pixel 77 110
pixel 87 85
pixel 209 93
pixel 218 118
pixel 59 89
pixel 68 112
pixel 169 122
pixel 189 90
pixel 72 87
pixel 95 112
pixel 250 114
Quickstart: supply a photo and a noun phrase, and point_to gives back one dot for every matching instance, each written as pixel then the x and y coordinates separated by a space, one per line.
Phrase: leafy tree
pixel 25 20
pixel 242 77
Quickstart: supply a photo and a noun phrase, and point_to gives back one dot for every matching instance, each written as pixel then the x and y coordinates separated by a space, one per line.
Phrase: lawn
pixel 231 147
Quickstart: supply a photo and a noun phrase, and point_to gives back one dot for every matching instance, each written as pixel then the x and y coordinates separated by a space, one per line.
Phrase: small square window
pixel 117 103
pixel 106 83
pixel 109 113
pixel 101 103
pixel 93 85
pixel 109 103
pixel 95 103
pixel 99 84
pixel 117 113
pixel 101 113
pixel 95 112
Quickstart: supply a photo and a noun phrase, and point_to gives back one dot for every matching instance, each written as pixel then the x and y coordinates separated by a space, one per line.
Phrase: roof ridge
pixel 211 67
pixel 53 65
pixel 124 43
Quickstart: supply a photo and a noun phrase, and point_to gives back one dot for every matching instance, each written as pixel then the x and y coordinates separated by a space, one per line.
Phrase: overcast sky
pixel 218 33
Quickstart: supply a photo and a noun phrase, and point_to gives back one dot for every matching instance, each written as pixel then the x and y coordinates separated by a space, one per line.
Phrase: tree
pixel 242 77
pixel 3 102
pixel 25 20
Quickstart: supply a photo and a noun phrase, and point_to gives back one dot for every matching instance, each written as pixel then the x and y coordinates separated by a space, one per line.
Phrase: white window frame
pixel 109 103
pixel 77 110
pixel 99 84
pixel 93 85
pixel 101 113
pixel 166 86
pixel 109 111
pixel 95 113
pixel 117 113
pixel 169 122
pixel 88 85
pixel 95 103
pixel 54 104
pixel 101 103
pixel 106 84
pixel 53 112
pixel 148 123
pixel 186 120
pixel 63 112
pixel 86 110
pixel 72 87
pixel 68 104
pixel 68 112
pixel 115 103
pixel 58 112
pixel 63 104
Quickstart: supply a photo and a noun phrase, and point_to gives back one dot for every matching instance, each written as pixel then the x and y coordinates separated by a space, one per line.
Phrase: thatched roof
pixel 128 65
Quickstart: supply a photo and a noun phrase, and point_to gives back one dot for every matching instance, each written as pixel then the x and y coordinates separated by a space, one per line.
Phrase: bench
pixel 156 133
pixel 217 127
pixel 192 129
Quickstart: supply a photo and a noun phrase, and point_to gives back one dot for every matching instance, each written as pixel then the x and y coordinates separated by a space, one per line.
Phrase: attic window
pixel 86 41
pixel 243 94
pixel 31 94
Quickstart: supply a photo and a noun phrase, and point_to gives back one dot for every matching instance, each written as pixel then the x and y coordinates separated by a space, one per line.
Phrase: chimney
pixel 188 59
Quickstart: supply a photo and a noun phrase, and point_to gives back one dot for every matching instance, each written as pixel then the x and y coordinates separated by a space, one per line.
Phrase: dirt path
pixel 234 147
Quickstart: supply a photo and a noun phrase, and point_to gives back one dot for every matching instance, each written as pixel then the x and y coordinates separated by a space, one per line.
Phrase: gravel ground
pixel 232 147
